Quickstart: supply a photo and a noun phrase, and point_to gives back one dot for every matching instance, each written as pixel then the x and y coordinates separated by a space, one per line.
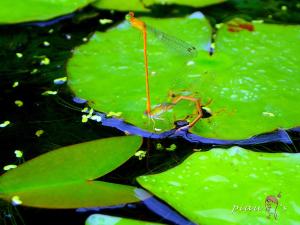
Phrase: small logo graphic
pixel 271 205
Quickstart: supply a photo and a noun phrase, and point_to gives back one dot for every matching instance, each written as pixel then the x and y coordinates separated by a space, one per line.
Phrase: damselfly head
pixel 129 16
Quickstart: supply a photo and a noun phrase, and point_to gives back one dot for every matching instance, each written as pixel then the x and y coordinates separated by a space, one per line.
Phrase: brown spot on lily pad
pixel 237 25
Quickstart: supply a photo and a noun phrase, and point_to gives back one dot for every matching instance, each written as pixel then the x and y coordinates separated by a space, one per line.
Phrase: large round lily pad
pixel 251 78
pixel 194 3
pixel 121 5
pixel 232 186
pixel 32 10
pixel 137 5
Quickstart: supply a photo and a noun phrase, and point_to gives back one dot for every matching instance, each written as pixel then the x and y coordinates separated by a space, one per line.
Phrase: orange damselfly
pixel 185 47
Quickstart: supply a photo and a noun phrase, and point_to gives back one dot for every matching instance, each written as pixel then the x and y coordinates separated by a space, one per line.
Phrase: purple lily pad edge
pixel 279 135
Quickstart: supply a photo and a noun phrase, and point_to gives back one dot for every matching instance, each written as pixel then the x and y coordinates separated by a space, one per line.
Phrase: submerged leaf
pixel 100 219
pixel 65 174
pixel 231 187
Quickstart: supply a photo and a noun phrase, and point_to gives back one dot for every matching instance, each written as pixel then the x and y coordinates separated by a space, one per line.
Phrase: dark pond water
pixel 24 78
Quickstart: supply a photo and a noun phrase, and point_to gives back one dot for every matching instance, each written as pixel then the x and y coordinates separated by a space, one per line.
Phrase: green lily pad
pixel 250 78
pixel 32 10
pixel 194 3
pixel 100 219
pixel 231 187
pixel 76 194
pixel 63 178
pixel 137 5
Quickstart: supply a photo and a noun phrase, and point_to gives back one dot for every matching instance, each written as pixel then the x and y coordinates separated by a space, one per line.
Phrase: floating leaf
pixel 121 5
pixel 74 195
pixel 194 3
pixel 100 219
pixel 250 76
pixel 130 99
pixel 62 178
pixel 137 5
pixel 231 186
pixel 32 10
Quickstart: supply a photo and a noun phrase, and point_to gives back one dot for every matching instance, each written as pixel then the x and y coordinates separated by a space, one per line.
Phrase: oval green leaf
pixel 231 187
pixel 69 168
pixel 32 10
pixel 74 195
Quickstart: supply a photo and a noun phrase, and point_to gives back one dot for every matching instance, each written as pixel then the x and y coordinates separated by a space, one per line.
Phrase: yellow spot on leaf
pixel 9 167
pixel 19 54
pixel 190 63
pixel 96 118
pixel 49 93
pixel 38 133
pixel 219 25
pixel 35 70
pixel 116 114
pixel 19 103
pixel 45 61
pixel 141 154
pixel 4 124
pixel 16 200
pixel 159 146
pixel 126 132
pixel 269 114
pixel 85 110
pixel 84 119
pixel 172 147
pixel 18 153
pixel 60 80
pixel 46 43
pixel 68 36
pixel 257 21
pixel 15 84
pixel 105 21
pixel 91 112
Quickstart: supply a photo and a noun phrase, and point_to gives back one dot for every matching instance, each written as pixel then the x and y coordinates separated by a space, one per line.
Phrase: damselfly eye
pixel 129 16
